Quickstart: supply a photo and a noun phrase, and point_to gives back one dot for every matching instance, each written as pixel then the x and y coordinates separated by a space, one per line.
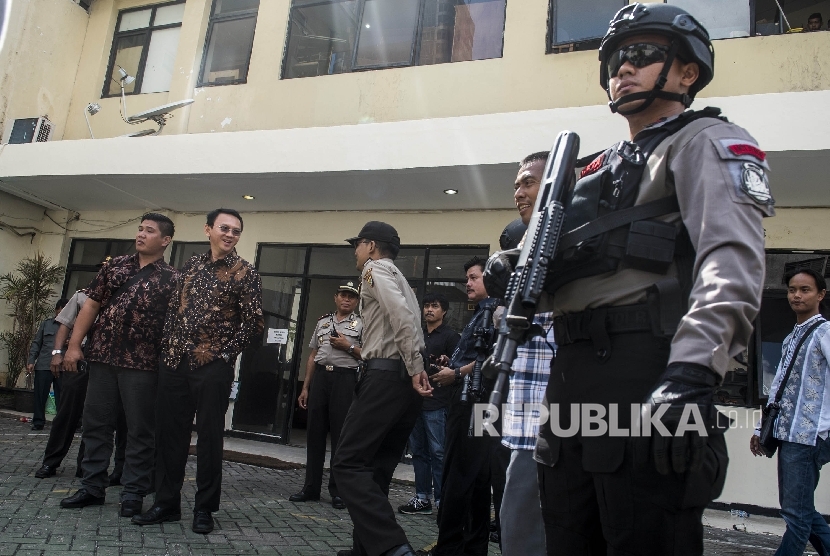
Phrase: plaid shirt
pixel 531 371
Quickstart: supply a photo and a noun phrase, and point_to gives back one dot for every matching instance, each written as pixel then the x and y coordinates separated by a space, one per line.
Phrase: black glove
pixel 498 270
pixel 682 384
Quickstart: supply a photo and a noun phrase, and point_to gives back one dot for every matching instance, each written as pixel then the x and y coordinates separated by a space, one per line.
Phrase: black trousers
pixel 65 423
pixel 464 514
pixel 329 399
pixel 182 393
pixel 498 472
pixel 44 379
pixel 113 390
pixel 374 436
pixel 595 499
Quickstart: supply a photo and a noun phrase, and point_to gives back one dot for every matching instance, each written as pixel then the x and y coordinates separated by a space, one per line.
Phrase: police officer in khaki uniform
pixel 328 388
pixel 387 400
pixel 651 312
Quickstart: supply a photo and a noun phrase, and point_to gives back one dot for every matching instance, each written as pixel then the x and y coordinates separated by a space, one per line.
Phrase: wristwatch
pixel 350 351
pixel 57 352
pixel 458 374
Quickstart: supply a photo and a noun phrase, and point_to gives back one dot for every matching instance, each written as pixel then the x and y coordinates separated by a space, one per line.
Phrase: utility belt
pixel 333 369
pixel 660 316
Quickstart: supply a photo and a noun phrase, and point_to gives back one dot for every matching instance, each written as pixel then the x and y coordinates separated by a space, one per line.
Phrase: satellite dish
pixel 159 114
pixel 160 111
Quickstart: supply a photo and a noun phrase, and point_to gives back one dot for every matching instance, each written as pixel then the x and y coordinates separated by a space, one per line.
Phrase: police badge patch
pixel 754 183
pixel 368 278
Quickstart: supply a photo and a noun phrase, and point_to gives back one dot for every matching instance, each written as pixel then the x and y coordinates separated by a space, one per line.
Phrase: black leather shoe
pixel 303 496
pixel 157 514
pixel 79 473
pixel 82 499
pixel 129 508
pixel 202 522
pixel 337 503
pixel 37 427
pixel 495 537
pixel 45 471
pixel 114 480
pixel 402 550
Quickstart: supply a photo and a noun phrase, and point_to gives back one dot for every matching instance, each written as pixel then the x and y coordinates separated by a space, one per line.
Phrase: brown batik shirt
pixel 128 332
pixel 216 311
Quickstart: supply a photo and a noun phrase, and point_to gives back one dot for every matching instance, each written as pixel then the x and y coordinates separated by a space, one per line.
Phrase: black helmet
pixel 689 41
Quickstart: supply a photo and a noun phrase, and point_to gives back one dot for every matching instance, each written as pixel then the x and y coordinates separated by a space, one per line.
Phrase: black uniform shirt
pixel 441 341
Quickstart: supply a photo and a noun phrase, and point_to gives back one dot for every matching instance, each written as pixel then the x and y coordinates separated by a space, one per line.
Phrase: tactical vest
pixel 603 229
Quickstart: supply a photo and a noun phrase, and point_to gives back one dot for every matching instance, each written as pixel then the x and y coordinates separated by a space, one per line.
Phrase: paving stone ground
pixel 255 516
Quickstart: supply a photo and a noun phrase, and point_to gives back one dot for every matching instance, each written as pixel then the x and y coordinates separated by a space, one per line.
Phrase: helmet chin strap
pixel 652 95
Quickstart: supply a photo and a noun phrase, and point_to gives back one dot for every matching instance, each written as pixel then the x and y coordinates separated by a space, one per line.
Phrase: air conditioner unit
pixel 31 130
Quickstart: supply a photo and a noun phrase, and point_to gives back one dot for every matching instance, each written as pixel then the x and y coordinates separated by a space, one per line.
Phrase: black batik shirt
pixel 128 332
pixel 441 341
pixel 216 311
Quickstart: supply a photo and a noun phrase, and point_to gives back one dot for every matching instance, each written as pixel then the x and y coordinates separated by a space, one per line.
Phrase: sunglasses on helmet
pixel 638 55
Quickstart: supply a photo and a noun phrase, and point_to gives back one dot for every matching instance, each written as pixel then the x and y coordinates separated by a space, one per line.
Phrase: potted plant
pixel 27 292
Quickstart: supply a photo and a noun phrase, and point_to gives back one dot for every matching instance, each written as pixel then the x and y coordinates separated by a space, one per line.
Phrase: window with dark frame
pixel 144 45
pixel 580 24
pixel 86 257
pixel 229 42
pixel 339 36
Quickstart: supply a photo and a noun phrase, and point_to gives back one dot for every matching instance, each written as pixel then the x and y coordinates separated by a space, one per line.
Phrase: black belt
pixel 595 323
pixel 332 368
pixel 383 364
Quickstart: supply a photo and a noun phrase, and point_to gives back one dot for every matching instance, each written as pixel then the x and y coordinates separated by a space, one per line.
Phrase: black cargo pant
pixel 374 436
pixel 596 499
pixel 182 393
pixel 329 399
pixel 65 423
pixel 464 514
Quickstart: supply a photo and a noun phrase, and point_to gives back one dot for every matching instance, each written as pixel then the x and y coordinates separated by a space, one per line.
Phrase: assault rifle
pixel 483 334
pixel 528 278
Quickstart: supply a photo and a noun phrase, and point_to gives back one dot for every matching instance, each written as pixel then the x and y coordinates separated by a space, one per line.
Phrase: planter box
pixel 6 398
pixel 24 400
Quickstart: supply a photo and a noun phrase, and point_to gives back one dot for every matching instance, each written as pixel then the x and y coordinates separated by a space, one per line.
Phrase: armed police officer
pixel 329 386
pixel 651 307
pixel 387 402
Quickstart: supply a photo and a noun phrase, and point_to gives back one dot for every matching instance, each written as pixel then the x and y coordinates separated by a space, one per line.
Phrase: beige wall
pixel 22 217
pixel 743 66
pixel 39 61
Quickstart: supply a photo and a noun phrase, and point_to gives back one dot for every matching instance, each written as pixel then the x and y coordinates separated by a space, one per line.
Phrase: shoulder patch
pixel 595 165
pixel 368 278
pixel 743 149
pixel 754 183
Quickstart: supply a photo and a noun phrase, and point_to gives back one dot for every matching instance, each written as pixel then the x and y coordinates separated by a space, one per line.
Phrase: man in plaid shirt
pixel 522 528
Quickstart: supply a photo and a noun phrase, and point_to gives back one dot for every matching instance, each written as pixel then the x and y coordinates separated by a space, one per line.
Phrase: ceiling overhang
pixel 386 166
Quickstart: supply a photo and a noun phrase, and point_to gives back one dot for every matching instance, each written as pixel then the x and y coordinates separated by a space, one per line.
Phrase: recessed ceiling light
pixel 437 268
pixel 368 26
pixel 248 197
pixel 451 191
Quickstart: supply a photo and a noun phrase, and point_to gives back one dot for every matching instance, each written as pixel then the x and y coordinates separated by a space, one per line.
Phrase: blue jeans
pixel 427 445
pixel 798 474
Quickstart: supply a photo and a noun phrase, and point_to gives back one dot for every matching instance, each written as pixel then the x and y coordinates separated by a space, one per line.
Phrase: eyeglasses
pixel 227 229
pixel 362 241
pixel 639 55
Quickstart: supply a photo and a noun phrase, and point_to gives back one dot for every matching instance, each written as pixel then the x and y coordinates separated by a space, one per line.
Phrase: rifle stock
pixel 528 278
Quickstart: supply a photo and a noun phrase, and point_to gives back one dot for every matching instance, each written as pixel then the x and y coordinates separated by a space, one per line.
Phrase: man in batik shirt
pixel 215 313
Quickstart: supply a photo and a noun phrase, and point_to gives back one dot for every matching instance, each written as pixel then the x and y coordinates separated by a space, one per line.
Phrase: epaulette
pixel 327 315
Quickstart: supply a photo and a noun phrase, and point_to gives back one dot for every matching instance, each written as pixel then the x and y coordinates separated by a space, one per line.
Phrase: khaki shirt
pixel 351 328
pixel 723 194
pixel 69 313
pixel 391 316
